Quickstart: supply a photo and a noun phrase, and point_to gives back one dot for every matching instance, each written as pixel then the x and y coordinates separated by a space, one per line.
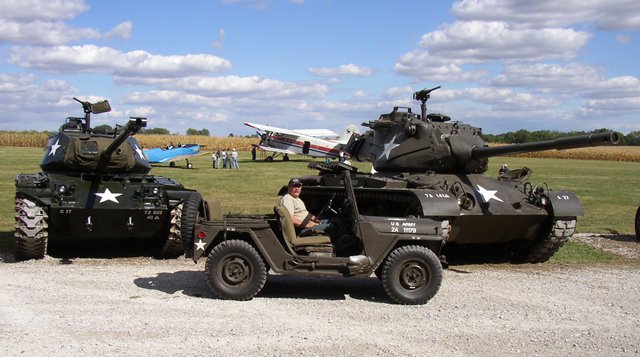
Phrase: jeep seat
pixel 316 243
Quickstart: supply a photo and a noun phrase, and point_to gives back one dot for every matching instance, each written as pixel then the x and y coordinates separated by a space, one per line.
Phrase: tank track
pixel 31 230
pixel 559 234
pixel 172 246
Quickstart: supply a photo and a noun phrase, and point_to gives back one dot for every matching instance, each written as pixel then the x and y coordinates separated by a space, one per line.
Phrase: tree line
pixel 525 136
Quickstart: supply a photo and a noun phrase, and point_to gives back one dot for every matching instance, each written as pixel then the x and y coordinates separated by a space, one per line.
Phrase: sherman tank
pixel 411 152
pixel 97 186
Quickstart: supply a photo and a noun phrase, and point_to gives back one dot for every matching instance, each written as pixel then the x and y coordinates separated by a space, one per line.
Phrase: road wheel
pixel 172 246
pixel 411 275
pixel 235 270
pixel 31 230
pixel 638 224
pixel 549 242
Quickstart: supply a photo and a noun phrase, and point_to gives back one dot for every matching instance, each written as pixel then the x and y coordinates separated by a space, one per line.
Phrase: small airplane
pixel 311 142
pixel 171 154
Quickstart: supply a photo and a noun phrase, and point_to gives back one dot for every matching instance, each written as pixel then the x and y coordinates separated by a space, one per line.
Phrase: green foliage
pixel 105 128
pixel 525 136
pixel 202 132
pixel 582 253
pixel 155 131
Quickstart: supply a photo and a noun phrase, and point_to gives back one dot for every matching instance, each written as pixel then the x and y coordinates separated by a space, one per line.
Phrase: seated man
pixel 304 222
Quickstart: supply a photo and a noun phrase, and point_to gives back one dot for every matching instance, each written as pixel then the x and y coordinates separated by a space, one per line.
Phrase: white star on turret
pixel 388 147
pixel 107 195
pixel 200 245
pixel 139 151
pixel 54 148
pixel 488 194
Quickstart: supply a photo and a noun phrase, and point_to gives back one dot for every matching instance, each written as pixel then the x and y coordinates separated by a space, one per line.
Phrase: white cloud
pixel 252 86
pixel 41 10
pixel 219 42
pixel 42 33
pixel 623 39
pixel 606 14
pixel 122 30
pixel 342 70
pixel 479 41
pixel 544 76
pixel 94 59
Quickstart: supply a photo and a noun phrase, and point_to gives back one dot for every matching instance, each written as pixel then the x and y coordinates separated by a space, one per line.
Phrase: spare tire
pixel 191 210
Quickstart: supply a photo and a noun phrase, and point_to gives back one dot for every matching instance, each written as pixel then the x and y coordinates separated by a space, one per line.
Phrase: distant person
pixel 224 159
pixel 341 156
pixel 213 159
pixel 234 160
pixel 253 153
pixel 218 158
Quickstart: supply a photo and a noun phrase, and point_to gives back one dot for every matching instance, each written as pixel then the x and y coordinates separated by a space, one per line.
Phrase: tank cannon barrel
pixel 599 139
pixel 133 126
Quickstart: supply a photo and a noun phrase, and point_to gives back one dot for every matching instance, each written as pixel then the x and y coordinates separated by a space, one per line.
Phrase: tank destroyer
pixel 415 151
pixel 96 186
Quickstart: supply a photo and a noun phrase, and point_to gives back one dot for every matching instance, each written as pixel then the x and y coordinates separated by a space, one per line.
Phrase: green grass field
pixel 608 190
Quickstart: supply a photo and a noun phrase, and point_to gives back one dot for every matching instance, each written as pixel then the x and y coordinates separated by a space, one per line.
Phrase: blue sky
pixel 503 65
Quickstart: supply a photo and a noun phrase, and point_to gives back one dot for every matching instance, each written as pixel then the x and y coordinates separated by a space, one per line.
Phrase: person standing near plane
pixel 218 158
pixel 213 159
pixel 224 159
pixel 234 160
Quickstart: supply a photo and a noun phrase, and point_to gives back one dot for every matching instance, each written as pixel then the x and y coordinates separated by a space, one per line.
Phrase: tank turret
pixel 76 148
pixel 402 141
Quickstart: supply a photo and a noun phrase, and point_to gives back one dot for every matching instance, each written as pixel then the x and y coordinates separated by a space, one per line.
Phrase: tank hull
pixel 482 210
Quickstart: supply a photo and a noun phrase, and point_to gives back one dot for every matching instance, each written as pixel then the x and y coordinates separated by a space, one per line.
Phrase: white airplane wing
pixel 280 151
pixel 319 133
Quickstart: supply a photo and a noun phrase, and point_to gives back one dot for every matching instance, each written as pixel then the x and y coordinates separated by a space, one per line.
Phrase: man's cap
pixel 295 182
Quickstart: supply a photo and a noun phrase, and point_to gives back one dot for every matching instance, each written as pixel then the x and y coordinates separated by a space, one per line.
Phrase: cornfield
pixel 209 143
pixel 36 139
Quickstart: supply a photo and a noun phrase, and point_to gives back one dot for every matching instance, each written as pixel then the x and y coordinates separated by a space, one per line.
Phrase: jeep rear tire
pixel 235 270
pixel 411 275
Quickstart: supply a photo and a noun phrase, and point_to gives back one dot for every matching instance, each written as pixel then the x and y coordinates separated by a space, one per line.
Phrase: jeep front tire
pixel 411 275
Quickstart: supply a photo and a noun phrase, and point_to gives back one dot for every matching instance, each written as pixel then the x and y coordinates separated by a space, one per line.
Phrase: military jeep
pixel 403 252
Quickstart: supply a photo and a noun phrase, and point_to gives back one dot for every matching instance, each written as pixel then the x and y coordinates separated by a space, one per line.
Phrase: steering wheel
pixel 327 206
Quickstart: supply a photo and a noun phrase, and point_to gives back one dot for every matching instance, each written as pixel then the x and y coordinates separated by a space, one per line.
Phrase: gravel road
pixel 142 306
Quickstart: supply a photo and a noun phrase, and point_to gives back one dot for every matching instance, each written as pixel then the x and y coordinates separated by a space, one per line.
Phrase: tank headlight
pixel 155 191
pixel 543 201
pixel 62 189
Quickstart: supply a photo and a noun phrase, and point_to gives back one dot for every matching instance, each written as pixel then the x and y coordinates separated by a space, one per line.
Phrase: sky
pixel 503 65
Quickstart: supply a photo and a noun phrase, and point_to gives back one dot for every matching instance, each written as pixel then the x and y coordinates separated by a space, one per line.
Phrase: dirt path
pixel 142 306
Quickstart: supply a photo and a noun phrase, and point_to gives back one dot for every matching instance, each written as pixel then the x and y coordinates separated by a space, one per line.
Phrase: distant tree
pixel 203 132
pixel 231 135
pixel 155 131
pixel 633 138
pixel 102 129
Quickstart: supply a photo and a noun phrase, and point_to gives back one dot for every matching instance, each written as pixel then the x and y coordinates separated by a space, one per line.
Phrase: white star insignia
pixel 54 148
pixel 139 151
pixel 107 195
pixel 488 194
pixel 388 147
pixel 200 245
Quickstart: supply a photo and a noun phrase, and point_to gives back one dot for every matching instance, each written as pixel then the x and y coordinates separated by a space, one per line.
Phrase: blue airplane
pixel 172 154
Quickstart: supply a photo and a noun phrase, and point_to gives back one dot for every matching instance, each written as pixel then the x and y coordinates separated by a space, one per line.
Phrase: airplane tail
pixel 346 134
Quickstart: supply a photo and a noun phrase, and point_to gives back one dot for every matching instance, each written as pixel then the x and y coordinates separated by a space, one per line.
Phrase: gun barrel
pixel 133 126
pixel 599 139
